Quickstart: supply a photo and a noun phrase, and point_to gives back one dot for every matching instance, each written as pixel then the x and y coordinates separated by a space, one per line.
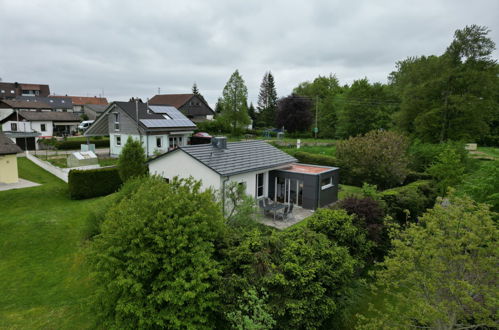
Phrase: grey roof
pixel 8 147
pixel 99 108
pixel 52 102
pixel 49 116
pixel 239 157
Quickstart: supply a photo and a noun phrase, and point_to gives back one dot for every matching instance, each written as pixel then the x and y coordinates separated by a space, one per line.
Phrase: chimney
pixel 219 142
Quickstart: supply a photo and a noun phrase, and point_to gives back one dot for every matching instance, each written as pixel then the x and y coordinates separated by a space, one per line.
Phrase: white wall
pixel 180 164
pixel 26 126
pixel 148 142
pixel 250 180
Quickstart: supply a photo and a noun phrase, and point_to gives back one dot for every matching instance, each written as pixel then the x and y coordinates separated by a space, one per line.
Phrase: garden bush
pixel 423 155
pixel 213 126
pixel 75 144
pixel 408 202
pixel 92 183
pixel 310 158
pixel 378 157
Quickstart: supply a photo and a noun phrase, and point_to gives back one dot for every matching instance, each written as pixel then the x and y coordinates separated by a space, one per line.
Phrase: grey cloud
pixel 130 48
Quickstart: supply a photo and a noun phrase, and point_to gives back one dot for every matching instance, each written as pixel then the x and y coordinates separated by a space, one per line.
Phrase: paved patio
pixel 18 185
pixel 298 215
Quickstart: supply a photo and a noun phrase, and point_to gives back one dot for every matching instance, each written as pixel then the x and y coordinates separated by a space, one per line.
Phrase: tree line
pixel 435 98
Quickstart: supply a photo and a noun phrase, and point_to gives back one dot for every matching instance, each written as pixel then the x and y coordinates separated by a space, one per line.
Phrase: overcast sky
pixel 132 48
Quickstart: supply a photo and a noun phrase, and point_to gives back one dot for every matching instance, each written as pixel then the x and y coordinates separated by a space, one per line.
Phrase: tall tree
pixel 252 113
pixel 442 271
pixel 218 106
pixel 294 113
pixel 235 103
pixel 366 107
pixel 195 89
pixel 452 96
pixel 325 92
pixel 267 101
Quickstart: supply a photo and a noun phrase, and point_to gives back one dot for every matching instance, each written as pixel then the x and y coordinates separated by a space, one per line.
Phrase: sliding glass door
pixel 289 190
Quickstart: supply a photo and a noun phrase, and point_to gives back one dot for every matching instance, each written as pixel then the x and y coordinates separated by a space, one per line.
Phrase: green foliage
pixel 325 92
pixel 453 96
pixel 239 208
pixel 339 227
pixel 75 143
pixel 216 126
pixel 92 183
pixel 379 157
pixel 132 160
pixel 441 272
pixel 310 276
pixel 235 103
pixel 154 259
pixel 367 107
pixel 483 185
pixel 423 155
pixel 310 158
pixel 408 202
pixel 294 113
pixel 253 312
pixel 267 102
pixel 447 170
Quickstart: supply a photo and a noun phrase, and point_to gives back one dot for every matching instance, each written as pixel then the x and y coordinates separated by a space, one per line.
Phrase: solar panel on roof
pixel 162 108
pixel 155 123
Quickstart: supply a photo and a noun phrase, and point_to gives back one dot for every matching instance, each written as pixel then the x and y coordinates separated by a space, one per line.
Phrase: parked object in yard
pixel 471 147
pixel 82 158
pixel 201 138
pixel 85 124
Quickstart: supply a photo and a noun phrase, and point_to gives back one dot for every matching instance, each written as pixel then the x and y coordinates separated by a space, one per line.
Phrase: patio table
pixel 274 208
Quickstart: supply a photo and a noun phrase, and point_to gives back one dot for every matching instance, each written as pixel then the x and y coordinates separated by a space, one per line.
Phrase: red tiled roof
pixel 82 100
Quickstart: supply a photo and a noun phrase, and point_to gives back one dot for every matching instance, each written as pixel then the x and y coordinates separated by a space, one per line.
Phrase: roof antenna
pixel 159 90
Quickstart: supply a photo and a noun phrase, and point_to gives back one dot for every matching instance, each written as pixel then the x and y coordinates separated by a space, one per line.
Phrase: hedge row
pixel 93 183
pixel 408 202
pixel 75 144
pixel 310 158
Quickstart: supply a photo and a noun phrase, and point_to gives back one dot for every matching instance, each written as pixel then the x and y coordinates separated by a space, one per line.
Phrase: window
pixel 175 142
pixel 259 184
pixel 118 140
pixel 2 91
pixel 167 180
pixel 159 142
pixel 116 121
pixel 12 91
pixel 43 127
pixel 13 127
pixel 327 183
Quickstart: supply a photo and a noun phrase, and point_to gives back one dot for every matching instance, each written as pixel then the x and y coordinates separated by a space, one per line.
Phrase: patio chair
pixel 282 215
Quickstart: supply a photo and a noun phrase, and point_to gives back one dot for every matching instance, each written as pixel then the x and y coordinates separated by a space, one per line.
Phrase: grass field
pixel 61 161
pixel 43 281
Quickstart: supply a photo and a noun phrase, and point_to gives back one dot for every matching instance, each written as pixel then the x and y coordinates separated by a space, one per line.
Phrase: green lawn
pixel 61 161
pixel 345 191
pixel 321 150
pixel 43 280
pixel 490 151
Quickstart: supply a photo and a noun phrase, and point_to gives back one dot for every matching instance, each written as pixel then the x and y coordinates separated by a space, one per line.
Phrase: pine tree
pixel 267 101
pixel 252 112
pixel 195 89
pixel 235 103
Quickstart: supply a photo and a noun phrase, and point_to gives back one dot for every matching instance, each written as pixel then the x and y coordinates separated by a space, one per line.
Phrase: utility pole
pixel 316 129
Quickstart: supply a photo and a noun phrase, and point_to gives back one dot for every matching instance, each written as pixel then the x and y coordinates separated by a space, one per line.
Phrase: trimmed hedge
pixel 310 158
pixel 75 144
pixel 93 183
pixel 415 198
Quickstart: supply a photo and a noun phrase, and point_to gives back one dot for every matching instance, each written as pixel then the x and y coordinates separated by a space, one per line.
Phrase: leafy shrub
pixel 483 185
pixel 310 158
pixel 215 126
pixel 379 157
pixel 408 202
pixel 92 183
pixel 447 170
pixel 423 155
pixel 70 144
pixel 154 259
pixel 132 160
pixel 416 176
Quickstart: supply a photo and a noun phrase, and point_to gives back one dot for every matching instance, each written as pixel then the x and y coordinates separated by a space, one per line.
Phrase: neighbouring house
pixel 192 106
pixel 159 127
pixel 79 102
pixel 12 90
pixel 8 160
pixel 93 111
pixel 263 169
pixel 34 103
pixel 27 127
